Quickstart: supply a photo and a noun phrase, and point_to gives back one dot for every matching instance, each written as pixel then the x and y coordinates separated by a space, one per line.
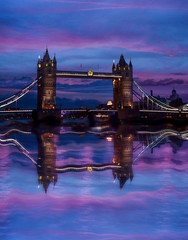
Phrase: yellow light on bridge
pixel 89 169
pixel 39 65
pixel 109 103
pixel 109 139
pixel 46 64
pixel 90 73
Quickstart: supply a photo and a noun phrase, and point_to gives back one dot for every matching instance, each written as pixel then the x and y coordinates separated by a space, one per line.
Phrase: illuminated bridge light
pixel 109 139
pixel 109 103
pixel 89 169
pixel 90 73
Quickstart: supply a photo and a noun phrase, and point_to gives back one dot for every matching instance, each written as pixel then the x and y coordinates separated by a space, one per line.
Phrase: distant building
pixel 175 100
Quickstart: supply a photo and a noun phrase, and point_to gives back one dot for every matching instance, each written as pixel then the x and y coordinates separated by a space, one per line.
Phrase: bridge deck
pixel 89 110
pixel 163 111
pixel 94 110
pixel 93 75
pixel 17 111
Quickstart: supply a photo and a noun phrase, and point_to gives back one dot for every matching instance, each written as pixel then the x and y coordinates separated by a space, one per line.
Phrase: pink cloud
pixel 123 5
pixel 110 236
pixel 60 39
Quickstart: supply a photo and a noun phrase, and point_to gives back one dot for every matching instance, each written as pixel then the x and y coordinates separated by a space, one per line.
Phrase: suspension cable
pixel 154 100
pixel 19 95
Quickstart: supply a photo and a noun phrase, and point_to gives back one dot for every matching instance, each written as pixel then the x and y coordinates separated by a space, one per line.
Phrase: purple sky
pixel 93 33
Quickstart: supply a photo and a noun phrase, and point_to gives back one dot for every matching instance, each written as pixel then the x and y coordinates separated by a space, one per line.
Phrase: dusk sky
pixel 93 33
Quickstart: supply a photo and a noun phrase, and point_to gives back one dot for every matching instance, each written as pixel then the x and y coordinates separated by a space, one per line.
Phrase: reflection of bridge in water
pixel 123 157
pixel 121 164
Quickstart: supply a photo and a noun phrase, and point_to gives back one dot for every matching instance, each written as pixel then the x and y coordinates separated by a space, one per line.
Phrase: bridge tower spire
pixel 46 97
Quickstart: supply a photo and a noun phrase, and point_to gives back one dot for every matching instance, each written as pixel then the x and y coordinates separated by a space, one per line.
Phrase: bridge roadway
pixel 17 111
pixel 89 110
pixel 62 110
pixel 88 75
pixel 163 111
pixel 96 110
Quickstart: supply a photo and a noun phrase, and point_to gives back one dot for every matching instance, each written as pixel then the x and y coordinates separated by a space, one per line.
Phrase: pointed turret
pixel 114 174
pixel 39 60
pixel 113 66
pixel 122 181
pixel 46 57
pixel 46 185
pixel 131 176
pixel 54 59
pixel 122 62
pixel 130 63
pixel 130 66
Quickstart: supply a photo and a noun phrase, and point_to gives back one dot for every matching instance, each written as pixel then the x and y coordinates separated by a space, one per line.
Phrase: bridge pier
pixel 91 118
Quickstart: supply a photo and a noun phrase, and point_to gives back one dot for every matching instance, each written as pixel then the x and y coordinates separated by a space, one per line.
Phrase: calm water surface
pixel 93 183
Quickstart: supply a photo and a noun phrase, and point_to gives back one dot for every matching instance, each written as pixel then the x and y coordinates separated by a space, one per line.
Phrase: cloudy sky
pixel 91 34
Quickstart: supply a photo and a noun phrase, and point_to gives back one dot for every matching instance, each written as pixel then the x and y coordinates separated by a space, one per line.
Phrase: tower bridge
pixel 121 76
pixel 123 91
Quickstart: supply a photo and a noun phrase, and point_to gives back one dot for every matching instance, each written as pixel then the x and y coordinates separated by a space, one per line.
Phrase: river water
pixel 102 182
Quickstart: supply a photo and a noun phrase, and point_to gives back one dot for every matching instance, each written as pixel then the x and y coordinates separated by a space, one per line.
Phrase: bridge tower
pixel 46 96
pixel 122 88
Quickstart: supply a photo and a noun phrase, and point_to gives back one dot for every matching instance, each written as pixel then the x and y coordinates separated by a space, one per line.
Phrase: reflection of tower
pixel 46 160
pixel 123 155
